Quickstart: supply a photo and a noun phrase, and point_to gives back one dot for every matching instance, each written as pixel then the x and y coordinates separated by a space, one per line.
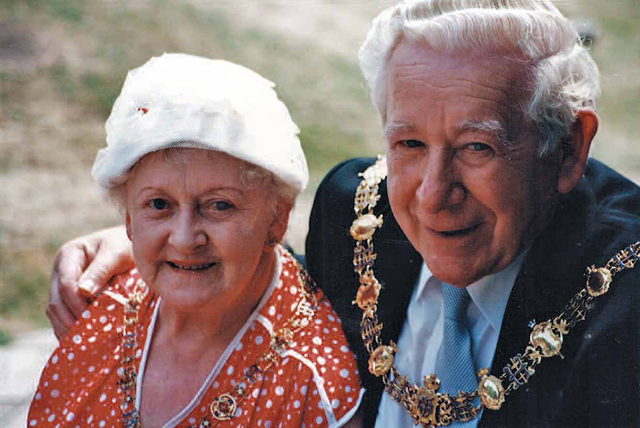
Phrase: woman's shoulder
pixel 87 358
pixel 98 326
pixel 319 353
pixel 108 306
pixel 122 287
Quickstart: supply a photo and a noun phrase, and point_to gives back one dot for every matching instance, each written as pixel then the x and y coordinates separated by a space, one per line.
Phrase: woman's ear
pixel 576 151
pixel 127 224
pixel 279 224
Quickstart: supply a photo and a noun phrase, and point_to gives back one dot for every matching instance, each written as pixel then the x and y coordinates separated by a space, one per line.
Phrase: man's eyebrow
pixel 490 126
pixel 393 128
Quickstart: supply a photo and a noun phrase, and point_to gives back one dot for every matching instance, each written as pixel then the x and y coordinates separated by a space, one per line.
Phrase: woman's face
pixel 198 233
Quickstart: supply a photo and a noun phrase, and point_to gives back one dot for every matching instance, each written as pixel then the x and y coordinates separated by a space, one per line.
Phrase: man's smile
pixel 457 232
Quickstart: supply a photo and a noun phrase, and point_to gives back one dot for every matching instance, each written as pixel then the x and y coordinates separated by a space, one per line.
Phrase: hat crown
pixel 179 98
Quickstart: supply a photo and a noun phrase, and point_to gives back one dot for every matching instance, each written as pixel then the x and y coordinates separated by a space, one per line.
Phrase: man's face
pixel 465 182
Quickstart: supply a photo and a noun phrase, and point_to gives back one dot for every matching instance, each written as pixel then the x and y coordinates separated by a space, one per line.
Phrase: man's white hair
pixel 564 77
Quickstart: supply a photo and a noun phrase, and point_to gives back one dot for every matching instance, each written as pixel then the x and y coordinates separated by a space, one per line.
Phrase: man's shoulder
pixel 343 178
pixel 616 199
pixel 611 214
pixel 596 219
pixel 332 212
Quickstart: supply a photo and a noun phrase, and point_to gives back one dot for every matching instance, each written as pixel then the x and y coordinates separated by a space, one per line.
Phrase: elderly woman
pixel 217 325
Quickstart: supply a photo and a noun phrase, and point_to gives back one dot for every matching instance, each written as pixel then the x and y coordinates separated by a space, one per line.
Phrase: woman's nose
pixel 187 233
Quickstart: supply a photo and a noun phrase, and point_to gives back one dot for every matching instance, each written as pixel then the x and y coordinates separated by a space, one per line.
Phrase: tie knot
pixel 455 301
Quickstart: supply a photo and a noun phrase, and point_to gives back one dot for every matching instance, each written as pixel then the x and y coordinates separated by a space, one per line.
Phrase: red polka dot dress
pixel 314 383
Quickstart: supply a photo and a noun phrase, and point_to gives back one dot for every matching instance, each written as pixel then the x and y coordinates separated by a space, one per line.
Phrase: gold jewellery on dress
pixel 424 403
pixel 223 407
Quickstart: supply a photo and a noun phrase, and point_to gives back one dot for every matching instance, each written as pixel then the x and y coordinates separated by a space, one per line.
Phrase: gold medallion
pixel 598 281
pixel 365 226
pixel 490 390
pixel 545 337
pixel 368 292
pixel 381 359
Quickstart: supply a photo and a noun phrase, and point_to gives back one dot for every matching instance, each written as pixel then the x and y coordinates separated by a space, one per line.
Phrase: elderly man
pixel 483 230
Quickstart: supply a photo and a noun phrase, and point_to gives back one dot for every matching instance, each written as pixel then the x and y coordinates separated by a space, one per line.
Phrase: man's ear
pixel 576 151
pixel 127 224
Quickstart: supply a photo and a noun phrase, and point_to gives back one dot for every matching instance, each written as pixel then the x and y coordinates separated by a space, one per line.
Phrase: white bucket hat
pixel 179 100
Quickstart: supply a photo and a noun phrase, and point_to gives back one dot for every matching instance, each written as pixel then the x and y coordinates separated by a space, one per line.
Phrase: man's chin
pixel 459 272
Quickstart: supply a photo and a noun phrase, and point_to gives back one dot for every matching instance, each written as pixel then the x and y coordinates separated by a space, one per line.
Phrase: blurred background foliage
pixel 62 63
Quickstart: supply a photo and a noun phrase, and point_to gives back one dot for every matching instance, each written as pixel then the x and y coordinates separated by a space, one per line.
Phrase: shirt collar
pixel 490 293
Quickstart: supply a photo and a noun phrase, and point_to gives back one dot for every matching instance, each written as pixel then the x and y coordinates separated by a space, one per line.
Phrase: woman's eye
pixel 158 204
pixel 221 205
pixel 413 144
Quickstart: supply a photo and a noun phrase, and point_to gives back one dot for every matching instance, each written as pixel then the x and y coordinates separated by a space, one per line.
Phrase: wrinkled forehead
pixel 216 164
pixel 430 78
pixel 501 68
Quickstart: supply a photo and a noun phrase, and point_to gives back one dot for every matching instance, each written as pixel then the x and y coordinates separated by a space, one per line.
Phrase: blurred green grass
pixel 66 60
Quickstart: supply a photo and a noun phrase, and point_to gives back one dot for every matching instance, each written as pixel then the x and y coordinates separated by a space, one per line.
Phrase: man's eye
pixel 158 204
pixel 476 153
pixel 413 144
pixel 478 147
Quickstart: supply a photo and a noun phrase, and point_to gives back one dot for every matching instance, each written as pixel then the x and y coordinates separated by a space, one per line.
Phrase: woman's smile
pixel 191 266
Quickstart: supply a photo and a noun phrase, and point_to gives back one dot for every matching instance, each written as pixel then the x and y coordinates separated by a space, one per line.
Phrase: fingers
pixel 61 320
pixel 61 316
pixel 72 259
pixel 112 257
pixel 103 267
pixel 82 268
pixel 66 303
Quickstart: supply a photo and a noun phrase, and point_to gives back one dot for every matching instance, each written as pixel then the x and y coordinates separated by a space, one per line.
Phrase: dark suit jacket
pixel 596 384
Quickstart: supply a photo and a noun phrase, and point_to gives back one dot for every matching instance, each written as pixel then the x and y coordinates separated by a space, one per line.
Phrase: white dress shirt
pixel 421 334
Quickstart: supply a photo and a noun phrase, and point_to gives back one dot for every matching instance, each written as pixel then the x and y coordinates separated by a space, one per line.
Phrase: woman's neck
pixel 218 323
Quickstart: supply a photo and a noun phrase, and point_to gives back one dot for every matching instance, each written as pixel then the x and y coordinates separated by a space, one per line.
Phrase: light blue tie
pixel 454 366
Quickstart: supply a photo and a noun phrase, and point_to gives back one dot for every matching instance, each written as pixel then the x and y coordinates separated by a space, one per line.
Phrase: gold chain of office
pixel 424 403
pixel 224 406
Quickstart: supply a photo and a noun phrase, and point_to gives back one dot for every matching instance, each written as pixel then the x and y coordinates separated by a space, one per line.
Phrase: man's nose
pixel 440 188
pixel 187 232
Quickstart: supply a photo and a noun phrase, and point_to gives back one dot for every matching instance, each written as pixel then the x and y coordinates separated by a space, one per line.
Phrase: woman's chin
pixel 188 303
pixel 189 296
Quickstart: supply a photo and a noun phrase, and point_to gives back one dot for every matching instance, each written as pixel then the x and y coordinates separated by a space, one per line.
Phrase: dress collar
pixel 490 294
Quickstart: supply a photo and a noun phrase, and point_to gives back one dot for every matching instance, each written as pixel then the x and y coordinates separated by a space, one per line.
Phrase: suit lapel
pixel 546 282
pixel 397 268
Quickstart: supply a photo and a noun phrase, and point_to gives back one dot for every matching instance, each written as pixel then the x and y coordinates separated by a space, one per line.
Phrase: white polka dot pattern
pixel 314 385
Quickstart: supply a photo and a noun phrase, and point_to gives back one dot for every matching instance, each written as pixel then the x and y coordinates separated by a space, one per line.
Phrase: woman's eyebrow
pixel 205 193
pixel 224 188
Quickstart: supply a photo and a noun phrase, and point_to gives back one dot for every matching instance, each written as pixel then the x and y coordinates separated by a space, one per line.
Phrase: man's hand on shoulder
pixel 81 268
